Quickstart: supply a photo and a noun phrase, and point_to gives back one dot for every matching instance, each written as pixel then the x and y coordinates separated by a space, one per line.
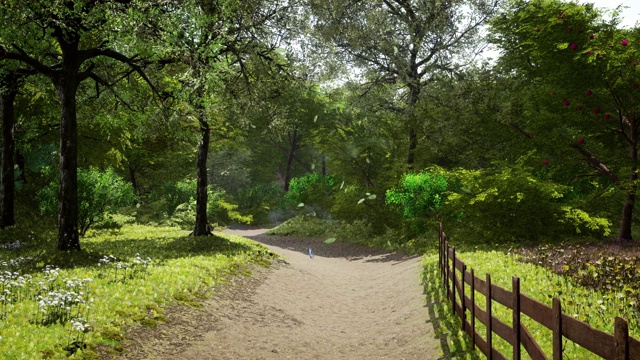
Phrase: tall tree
pixel 215 44
pixel 403 42
pixel 587 68
pixel 65 40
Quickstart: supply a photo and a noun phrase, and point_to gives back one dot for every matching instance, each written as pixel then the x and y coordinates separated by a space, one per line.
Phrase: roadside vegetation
pixel 61 305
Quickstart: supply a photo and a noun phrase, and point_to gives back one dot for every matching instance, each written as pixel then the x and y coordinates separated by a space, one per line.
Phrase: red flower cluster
pixel 624 42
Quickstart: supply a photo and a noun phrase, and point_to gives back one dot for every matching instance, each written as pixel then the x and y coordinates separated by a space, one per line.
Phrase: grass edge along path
pixel 596 308
pixel 120 279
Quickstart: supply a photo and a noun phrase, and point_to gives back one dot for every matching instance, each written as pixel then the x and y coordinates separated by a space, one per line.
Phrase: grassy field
pixel 60 305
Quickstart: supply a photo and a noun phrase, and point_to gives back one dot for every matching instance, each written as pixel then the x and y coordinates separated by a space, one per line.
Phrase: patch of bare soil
pixel 345 302
pixel 609 265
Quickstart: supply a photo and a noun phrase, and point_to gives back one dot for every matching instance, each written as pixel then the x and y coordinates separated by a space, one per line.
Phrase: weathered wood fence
pixel 462 286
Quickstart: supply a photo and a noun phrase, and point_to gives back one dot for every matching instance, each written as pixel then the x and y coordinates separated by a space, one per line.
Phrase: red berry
pixel 624 42
pixel 596 111
pixel 566 103
pixel 607 116
pixel 589 92
pixel 545 162
pixel 574 46
pixel 537 29
pixel 570 29
pixel 591 36
pixel 581 141
pixel 553 93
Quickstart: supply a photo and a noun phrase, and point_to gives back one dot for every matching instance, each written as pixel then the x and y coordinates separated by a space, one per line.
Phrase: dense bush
pixel 264 202
pixel 510 203
pixel 313 190
pixel 419 197
pixel 99 192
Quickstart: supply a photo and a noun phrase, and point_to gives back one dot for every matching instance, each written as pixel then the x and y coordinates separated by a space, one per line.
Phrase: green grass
pixel 129 276
pixel 596 308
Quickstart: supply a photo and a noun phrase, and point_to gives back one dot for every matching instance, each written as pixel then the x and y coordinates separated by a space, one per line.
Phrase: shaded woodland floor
pixel 347 302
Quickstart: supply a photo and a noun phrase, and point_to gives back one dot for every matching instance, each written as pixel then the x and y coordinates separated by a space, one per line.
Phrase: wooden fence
pixel 462 286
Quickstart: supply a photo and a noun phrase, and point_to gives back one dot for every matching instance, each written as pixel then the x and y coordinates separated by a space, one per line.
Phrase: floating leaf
pixel 372 197
pixel 315 118
pixel 330 241
pixel 301 205
pixel 361 201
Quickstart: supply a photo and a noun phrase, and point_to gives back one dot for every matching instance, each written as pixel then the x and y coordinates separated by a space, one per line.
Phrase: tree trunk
pixel 293 147
pixel 134 181
pixel 414 96
pixel 201 228
pixel 22 164
pixel 68 238
pixel 7 188
pixel 627 210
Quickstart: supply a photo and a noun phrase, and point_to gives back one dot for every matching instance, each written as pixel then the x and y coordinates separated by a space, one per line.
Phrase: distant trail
pixel 348 302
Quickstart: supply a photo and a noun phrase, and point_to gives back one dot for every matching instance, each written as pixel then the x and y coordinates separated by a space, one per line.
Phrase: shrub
pixel 510 204
pixel 419 196
pixel 261 201
pixel 99 192
pixel 312 190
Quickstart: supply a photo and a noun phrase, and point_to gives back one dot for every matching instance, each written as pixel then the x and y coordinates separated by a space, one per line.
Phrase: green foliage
pixel 356 231
pixel 174 193
pixel 99 192
pixel 419 195
pixel 120 287
pixel 513 204
pixel 312 190
pixel 264 202
pixel 220 211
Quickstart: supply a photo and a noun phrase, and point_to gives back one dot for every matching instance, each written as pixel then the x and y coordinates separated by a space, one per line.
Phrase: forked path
pixel 347 302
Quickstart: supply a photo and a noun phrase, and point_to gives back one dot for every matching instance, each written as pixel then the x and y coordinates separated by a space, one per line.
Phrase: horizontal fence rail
pixel 462 285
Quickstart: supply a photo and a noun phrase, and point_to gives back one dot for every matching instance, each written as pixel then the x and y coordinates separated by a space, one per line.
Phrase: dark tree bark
pixel 66 86
pixel 294 141
pixel 7 186
pixel 134 181
pixel 626 220
pixel 201 227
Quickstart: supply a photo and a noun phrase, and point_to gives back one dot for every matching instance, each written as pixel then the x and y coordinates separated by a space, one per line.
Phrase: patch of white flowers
pixel 65 303
pixel 14 245
pixel 121 271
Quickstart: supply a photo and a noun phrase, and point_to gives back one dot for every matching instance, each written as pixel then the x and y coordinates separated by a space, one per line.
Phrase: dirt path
pixel 348 302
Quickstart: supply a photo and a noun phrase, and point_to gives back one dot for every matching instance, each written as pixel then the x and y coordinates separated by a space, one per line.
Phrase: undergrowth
pixel 355 232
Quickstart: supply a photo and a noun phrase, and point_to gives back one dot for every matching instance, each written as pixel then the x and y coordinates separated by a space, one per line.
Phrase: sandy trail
pixel 348 302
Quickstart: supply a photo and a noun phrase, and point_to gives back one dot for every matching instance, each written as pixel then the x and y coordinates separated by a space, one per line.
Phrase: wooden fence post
pixel 473 309
pixel 515 305
pixel 557 329
pixel 446 268
pixel 463 316
pixel 453 279
pixel 489 316
pixel 621 340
